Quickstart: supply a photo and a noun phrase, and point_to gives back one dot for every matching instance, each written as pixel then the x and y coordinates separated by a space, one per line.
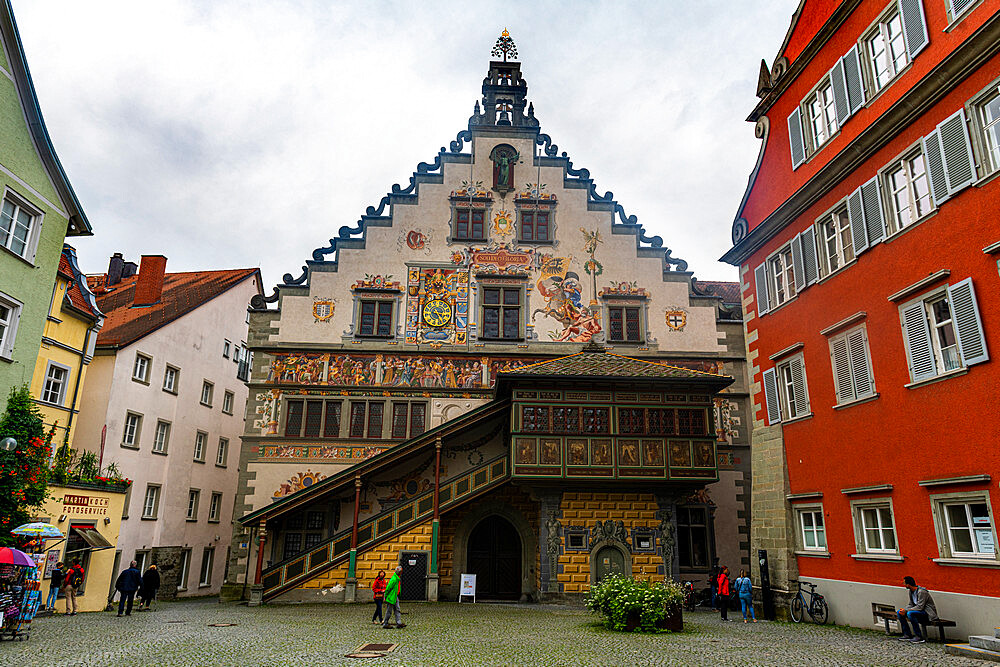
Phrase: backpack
pixel 76 577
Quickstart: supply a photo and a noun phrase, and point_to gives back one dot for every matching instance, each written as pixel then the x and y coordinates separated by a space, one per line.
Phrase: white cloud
pixel 239 134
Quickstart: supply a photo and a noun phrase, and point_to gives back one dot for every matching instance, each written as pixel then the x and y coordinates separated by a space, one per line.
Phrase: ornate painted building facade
pixel 497 256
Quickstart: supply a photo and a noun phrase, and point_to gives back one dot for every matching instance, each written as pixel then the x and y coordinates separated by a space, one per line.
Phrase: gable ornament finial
pixel 504 47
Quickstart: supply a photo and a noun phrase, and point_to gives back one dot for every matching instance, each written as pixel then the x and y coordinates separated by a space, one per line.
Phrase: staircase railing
pixel 298 569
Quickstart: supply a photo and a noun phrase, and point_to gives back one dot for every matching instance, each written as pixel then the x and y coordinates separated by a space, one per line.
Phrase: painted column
pixel 257 590
pixel 433 579
pixel 351 589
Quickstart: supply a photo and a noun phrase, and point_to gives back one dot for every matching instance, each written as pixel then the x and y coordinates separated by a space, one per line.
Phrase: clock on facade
pixel 437 312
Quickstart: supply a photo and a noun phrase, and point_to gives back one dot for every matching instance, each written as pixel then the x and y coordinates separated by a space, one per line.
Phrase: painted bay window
pixel 852 367
pixel 909 191
pixel 500 312
pixel 375 318
pixel 885 49
pixel 624 324
pixel 942 331
pixel 835 240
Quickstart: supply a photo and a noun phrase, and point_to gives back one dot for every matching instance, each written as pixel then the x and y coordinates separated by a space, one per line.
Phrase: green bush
pixel 616 598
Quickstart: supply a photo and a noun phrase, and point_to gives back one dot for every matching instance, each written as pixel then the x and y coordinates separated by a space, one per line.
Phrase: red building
pixel 868 244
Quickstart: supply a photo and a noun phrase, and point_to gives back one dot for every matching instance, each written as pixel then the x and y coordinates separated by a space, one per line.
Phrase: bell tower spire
pixel 504 91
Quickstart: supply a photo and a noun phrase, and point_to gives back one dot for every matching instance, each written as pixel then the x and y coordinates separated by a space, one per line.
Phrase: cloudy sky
pixel 228 134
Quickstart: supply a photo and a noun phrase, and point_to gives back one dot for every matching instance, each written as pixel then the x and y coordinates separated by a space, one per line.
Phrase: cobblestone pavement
pixel 440 634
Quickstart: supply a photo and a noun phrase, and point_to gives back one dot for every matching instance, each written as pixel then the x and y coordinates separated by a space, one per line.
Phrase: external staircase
pixel 984 647
pixel 472 483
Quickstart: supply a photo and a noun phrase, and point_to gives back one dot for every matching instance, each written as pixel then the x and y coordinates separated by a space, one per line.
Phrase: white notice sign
pixel 468 587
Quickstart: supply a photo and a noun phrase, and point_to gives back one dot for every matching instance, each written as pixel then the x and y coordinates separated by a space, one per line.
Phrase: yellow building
pixel 67 348
pixel 90 517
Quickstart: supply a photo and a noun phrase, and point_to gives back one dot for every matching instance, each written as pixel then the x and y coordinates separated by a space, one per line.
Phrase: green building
pixel 39 209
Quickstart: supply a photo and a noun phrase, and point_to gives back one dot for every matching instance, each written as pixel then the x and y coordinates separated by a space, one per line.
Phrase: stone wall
pixel 168 561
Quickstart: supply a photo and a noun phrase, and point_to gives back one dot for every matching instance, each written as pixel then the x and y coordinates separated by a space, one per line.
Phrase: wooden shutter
pixel 799 386
pixel 760 279
pixel 959 165
pixel 795 139
pixel 917 335
pixel 771 397
pixel 914 25
pixel 871 202
pixel 860 368
pixel 968 325
pixel 959 6
pixel 841 361
pixel 856 218
pixel 797 269
pixel 841 103
pixel 810 258
pixel 853 80
pixel 935 167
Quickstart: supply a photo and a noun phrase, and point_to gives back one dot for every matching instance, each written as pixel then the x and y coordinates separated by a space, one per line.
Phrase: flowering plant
pixel 619 599
pixel 24 471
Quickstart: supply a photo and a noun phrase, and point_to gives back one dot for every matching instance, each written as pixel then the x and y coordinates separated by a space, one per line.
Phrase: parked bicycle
pixel 816 607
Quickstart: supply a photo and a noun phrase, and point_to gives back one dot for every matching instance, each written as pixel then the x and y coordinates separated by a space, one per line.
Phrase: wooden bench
pixel 940 624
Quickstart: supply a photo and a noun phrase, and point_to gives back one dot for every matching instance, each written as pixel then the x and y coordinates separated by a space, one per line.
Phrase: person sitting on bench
pixel 920 610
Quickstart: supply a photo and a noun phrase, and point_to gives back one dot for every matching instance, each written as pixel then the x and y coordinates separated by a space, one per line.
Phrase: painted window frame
pixel 880 28
pixel 780 266
pixel 142 376
pixel 821 94
pixel 408 420
pixel 904 163
pixel 640 310
pixel 228 398
pixel 167 371
pixel 9 332
pixel 943 527
pixel 37 217
pixel 840 219
pixel 784 371
pixel 151 513
pixel 161 444
pixel 534 212
pixel 215 507
pixel 210 387
pixel 194 498
pixel 136 433
pixel 323 431
pixel 198 455
pixel 861 528
pixel 985 134
pixel 814 510
pixel 366 419
pixel 60 392
pixel 519 287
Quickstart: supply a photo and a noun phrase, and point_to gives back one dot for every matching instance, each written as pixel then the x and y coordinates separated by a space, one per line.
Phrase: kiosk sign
pixel 468 587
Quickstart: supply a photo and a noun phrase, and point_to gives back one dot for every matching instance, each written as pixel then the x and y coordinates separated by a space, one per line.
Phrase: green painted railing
pixel 302 567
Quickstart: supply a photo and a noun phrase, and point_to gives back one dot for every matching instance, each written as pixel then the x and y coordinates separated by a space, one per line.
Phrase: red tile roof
pixel 593 362
pixel 182 293
pixel 730 292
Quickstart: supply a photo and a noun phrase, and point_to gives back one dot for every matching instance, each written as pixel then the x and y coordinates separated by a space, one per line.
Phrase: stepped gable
pixel 505 111
pixel 182 293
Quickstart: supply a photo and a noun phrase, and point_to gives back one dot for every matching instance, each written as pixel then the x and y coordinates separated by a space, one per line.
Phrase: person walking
pixel 150 584
pixel 744 590
pixel 920 610
pixel 71 585
pixel 55 583
pixel 378 593
pixel 392 591
pixel 128 583
pixel 723 587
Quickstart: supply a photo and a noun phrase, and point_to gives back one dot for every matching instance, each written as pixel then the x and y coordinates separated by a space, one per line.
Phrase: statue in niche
pixel 667 541
pixel 553 541
pixel 504 158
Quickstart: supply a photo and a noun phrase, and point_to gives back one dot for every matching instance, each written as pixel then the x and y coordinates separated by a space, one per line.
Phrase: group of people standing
pixel 69 582
pixel 130 582
pixel 388 592
pixel 724 590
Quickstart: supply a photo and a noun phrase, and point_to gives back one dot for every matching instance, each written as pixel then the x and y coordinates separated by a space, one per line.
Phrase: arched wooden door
pixel 609 561
pixel 494 556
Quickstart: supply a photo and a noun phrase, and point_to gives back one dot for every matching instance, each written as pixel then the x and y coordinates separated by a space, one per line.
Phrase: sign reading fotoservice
pixel 80 505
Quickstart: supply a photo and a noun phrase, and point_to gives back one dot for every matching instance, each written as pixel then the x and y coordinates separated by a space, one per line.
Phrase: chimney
pixel 129 270
pixel 149 286
pixel 115 267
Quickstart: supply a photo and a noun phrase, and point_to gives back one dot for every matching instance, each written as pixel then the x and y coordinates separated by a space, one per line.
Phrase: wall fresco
pixel 297 482
pixel 377 370
pixel 437 306
pixel 299 452
pixel 563 294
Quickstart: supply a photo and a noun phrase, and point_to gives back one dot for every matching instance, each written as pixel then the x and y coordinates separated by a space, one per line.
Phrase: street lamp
pixel 8 444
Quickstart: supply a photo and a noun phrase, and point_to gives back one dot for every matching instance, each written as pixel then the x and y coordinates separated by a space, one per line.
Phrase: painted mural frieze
pixel 331 453
pixel 297 482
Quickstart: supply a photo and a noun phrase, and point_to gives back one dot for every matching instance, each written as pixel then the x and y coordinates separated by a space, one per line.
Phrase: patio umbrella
pixel 10 556
pixel 38 529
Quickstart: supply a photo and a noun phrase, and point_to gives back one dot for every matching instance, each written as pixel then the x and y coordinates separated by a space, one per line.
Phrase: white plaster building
pixel 164 401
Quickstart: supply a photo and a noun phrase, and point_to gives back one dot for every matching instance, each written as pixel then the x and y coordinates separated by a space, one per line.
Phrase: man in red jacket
pixel 723 587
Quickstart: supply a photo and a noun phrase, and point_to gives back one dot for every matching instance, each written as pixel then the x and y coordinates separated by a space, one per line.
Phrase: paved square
pixel 180 633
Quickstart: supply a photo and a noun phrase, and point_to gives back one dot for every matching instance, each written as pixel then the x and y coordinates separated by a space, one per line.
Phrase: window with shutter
pixel 908 190
pixel 853 82
pixel 987 122
pixel 760 280
pixel 968 325
pixel 793 394
pixel 915 25
pixel 838 82
pixel 810 258
pixel 781 276
pixel 856 217
pixel 871 202
pixel 800 274
pixel 959 165
pixel 795 139
pixel 835 240
pixel 935 167
pixel 821 116
pixel 771 397
pixel 958 7
pixel 861 374
pixel 841 360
